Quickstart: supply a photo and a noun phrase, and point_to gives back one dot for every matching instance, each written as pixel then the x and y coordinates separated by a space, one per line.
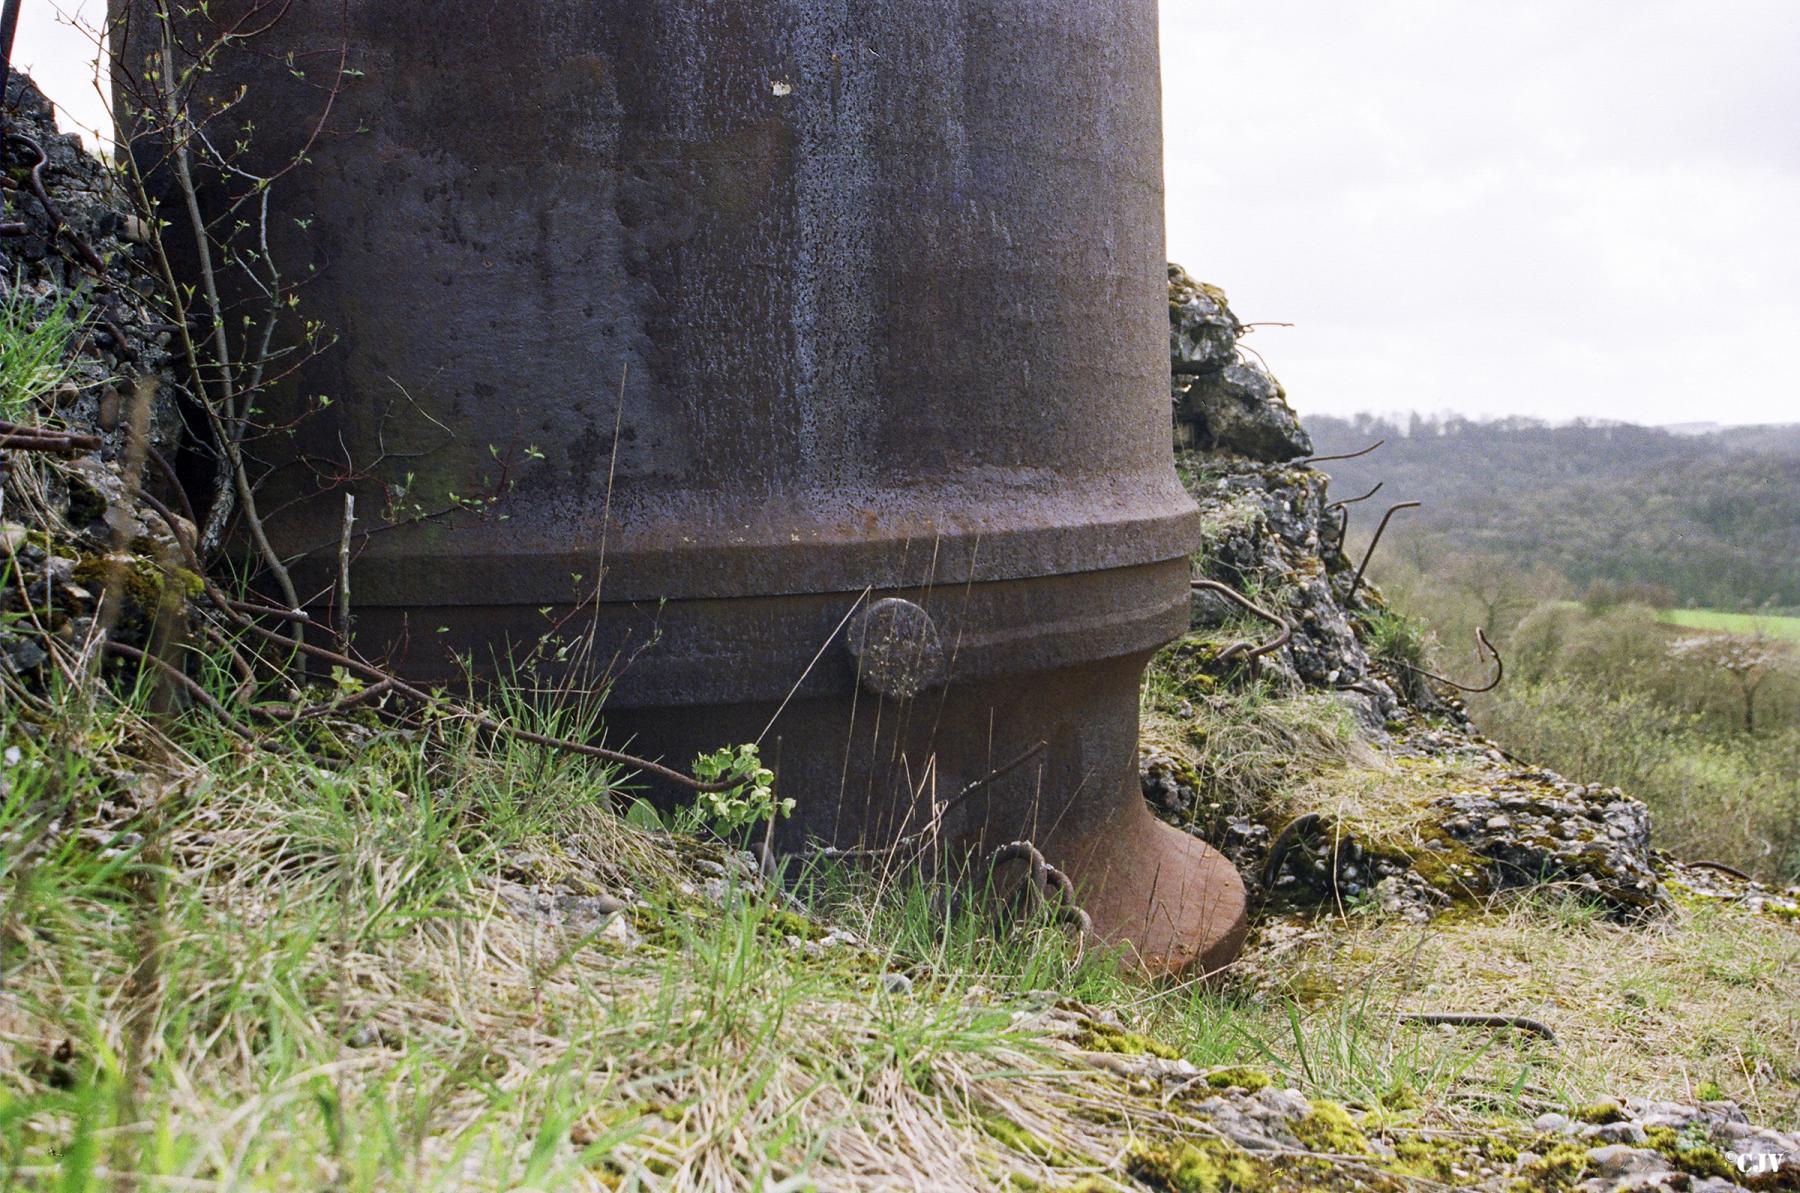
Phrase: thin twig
pixel 227 416
pixel 918 836
pixel 285 711
pixel 1374 542
pixel 388 681
pixel 343 577
pixel 370 671
pixel 168 470
pixel 187 684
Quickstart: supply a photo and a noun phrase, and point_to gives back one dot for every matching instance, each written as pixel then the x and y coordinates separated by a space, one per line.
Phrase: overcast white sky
pixel 1543 207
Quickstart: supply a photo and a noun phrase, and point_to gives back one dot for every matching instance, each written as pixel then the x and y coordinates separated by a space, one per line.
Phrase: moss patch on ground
pixel 1199 1166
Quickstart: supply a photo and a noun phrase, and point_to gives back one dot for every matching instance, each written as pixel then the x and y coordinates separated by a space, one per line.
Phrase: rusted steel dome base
pixel 756 314
pixel 1172 902
pixel 866 769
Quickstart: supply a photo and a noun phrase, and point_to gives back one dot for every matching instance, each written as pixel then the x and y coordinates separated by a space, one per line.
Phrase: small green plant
pixel 1397 638
pixel 35 359
pixel 1403 644
pixel 751 801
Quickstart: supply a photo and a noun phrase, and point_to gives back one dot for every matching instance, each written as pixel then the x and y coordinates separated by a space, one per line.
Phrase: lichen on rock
pixel 1223 402
pixel 1270 530
pixel 116 333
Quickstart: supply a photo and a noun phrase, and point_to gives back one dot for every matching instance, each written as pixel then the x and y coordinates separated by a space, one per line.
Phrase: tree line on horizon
pixel 1713 519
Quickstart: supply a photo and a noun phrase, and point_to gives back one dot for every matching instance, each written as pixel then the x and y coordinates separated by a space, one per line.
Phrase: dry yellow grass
pixel 233 969
pixel 1706 995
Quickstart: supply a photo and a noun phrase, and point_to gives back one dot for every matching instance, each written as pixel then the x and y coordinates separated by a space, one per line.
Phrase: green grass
pixel 1734 623
pixel 327 965
pixel 263 970
pixel 236 969
pixel 35 359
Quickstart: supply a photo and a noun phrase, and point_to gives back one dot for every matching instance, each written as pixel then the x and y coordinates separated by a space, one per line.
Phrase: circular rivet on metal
pixel 897 649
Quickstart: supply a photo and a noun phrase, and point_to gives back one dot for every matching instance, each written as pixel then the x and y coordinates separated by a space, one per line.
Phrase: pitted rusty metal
pixel 897 649
pixel 737 310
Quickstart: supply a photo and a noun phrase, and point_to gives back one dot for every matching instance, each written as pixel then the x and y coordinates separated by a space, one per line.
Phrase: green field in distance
pixel 1735 623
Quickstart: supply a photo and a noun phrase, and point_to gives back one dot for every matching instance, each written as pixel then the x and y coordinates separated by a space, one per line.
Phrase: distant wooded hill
pixel 1714 516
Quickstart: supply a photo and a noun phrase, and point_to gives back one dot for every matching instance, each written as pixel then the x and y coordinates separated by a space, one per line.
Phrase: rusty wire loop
pixel 1310 460
pixel 1374 542
pixel 1042 880
pixel 1249 650
pixel 1499 668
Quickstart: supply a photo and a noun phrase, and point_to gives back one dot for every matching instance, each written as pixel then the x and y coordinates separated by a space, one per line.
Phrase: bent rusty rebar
pixel 1344 505
pixel 1479 1019
pixel 1721 867
pixel 1374 542
pixel 1311 460
pixel 1499 667
pixel 45 439
pixel 1255 651
pixel 1353 500
pixel 59 227
pixel 1041 881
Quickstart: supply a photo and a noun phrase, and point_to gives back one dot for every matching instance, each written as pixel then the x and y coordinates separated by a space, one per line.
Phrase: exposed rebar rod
pixel 1482 639
pixel 1310 460
pixel 1480 1019
pixel 1345 504
pixel 1374 542
pixel 1336 505
pixel 1282 625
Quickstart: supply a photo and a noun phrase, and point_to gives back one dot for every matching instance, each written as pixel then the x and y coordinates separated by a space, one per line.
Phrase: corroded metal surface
pixel 896 648
pixel 751 317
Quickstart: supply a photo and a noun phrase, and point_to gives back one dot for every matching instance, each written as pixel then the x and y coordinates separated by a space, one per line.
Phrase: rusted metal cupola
pixel 839 328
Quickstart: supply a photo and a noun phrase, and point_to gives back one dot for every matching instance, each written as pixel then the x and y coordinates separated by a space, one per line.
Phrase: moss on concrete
pixel 1239 1077
pixel 1103 1037
pixel 1200 1166
pixel 1329 1128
